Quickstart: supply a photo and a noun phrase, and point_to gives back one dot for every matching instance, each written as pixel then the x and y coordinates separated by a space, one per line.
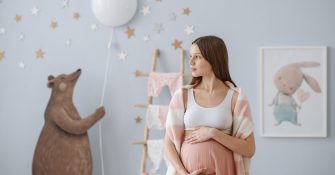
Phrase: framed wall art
pixel 293 91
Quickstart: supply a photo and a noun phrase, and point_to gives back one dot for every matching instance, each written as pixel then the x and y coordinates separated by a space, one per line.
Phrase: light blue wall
pixel 244 25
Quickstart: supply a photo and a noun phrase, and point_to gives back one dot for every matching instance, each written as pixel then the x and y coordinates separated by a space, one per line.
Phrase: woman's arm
pixel 244 147
pixel 170 149
pixel 173 156
pixel 175 160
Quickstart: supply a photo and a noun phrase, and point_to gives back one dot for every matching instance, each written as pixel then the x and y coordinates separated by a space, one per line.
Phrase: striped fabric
pixel 242 126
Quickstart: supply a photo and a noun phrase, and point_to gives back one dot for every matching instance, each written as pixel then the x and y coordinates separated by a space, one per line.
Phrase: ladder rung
pixel 142 74
pixel 140 142
pixel 141 105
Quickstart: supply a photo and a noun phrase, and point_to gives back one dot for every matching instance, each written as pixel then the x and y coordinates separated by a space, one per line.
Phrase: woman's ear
pixel 51 80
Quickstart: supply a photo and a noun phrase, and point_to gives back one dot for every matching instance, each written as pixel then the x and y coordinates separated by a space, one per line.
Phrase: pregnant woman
pixel 209 128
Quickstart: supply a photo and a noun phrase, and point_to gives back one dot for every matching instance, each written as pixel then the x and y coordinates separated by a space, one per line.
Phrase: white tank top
pixel 219 117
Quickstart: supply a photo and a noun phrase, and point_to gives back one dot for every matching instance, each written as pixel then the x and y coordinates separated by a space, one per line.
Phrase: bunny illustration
pixel 287 80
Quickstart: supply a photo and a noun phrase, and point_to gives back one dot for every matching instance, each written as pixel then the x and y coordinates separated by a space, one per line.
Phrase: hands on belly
pixel 199 134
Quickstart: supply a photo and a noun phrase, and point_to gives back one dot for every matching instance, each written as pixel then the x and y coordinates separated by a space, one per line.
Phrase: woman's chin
pixel 194 74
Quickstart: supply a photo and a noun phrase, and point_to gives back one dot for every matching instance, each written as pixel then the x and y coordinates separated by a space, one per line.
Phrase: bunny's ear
pixel 312 83
pixel 308 64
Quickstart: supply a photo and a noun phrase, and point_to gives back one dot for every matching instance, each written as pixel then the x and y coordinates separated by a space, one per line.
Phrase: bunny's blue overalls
pixel 286 111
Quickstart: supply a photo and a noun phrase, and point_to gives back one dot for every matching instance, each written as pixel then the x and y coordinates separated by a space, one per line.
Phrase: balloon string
pixel 107 66
pixel 103 97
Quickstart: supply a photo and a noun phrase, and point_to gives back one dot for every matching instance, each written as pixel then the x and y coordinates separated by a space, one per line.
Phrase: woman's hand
pixel 198 172
pixel 200 134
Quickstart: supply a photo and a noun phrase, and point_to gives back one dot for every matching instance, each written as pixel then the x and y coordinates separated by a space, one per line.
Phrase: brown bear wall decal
pixel 63 147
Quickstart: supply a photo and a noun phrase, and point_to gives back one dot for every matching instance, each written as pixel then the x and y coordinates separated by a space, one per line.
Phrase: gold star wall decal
pixel 39 53
pixel 130 32
pixel 138 119
pixel 76 15
pixel 177 44
pixel 54 24
pixel 186 11
pixel 2 55
pixel 18 18
pixel 138 73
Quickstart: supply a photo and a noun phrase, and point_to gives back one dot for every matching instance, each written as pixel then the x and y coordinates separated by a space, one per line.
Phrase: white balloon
pixel 114 12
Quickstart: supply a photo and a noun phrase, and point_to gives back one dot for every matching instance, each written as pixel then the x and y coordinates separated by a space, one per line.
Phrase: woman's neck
pixel 211 84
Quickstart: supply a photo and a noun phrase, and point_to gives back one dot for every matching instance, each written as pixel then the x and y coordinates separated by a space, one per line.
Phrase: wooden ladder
pixel 143 142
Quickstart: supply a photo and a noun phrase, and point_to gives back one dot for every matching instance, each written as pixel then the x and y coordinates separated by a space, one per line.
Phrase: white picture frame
pixel 288 109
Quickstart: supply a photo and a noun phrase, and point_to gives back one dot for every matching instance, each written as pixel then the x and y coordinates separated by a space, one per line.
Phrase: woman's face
pixel 198 64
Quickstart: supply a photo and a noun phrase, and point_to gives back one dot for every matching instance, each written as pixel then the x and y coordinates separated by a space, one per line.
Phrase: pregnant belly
pixel 211 155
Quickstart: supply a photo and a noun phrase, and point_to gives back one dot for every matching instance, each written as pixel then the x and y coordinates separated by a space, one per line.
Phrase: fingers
pixel 191 138
pixel 197 135
pixel 199 171
pixel 194 137
pixel 203 170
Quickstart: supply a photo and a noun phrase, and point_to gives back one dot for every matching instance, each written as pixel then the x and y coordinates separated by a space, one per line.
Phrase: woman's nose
pixel 191 62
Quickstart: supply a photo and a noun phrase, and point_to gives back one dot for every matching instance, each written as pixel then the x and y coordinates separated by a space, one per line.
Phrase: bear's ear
pixel 51 80
pixel 51 77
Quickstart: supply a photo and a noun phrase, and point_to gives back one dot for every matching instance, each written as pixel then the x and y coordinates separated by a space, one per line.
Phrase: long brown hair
pixel 214 50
